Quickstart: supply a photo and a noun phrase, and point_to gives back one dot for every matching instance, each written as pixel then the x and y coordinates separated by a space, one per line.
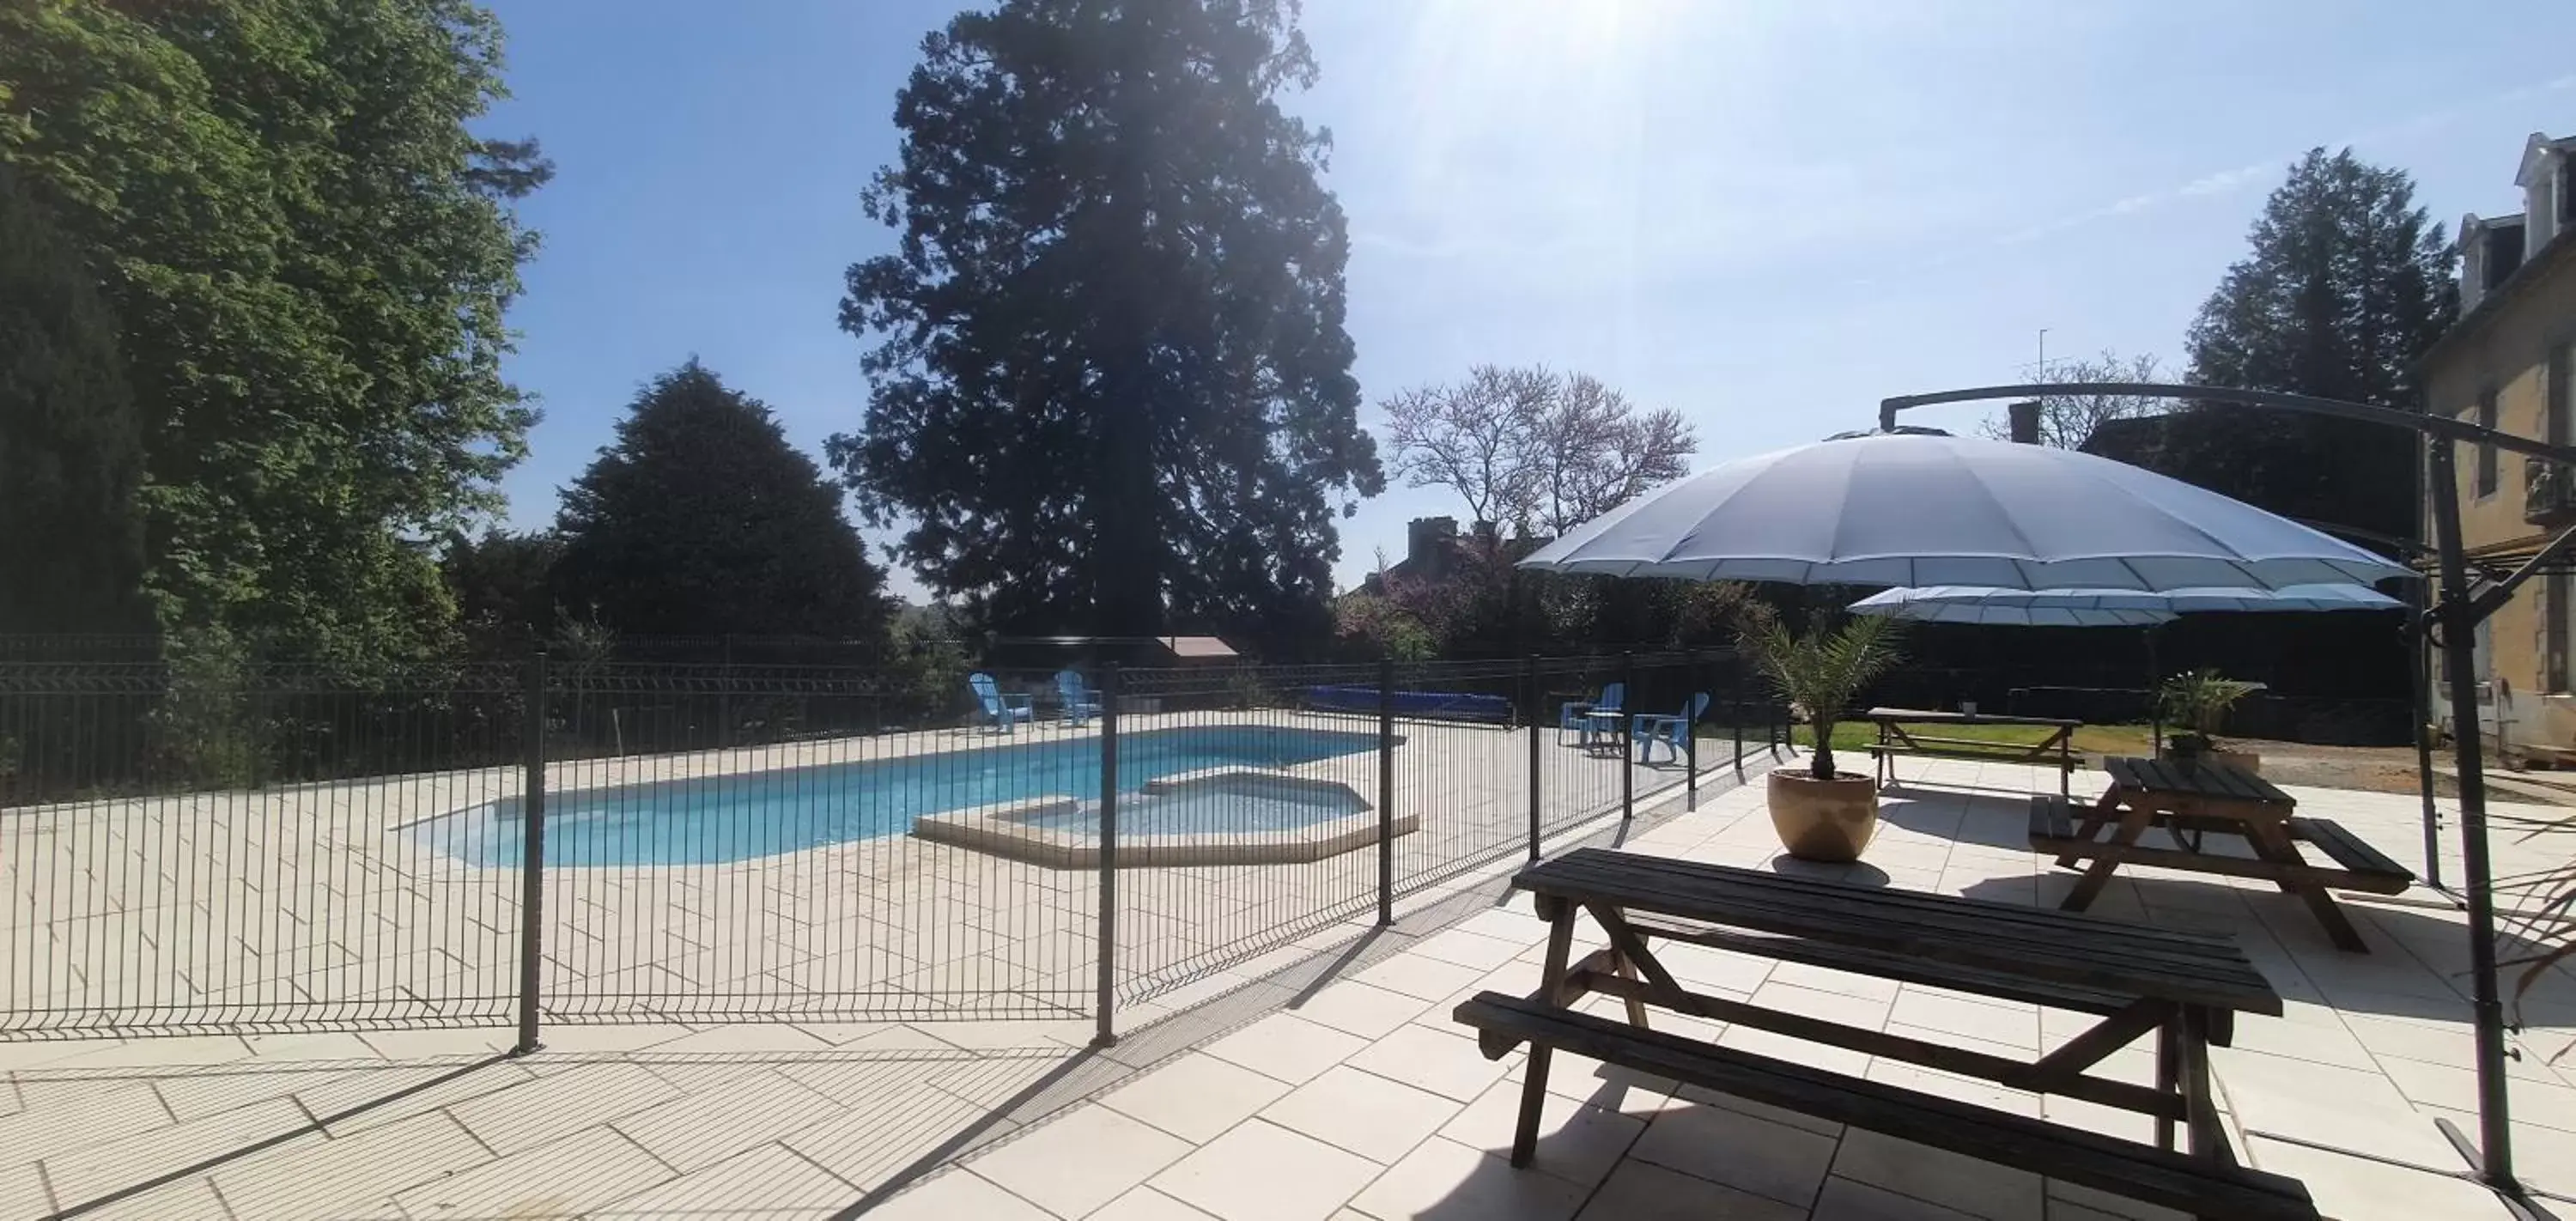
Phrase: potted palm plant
pixel 1821 813
pixel 2197 702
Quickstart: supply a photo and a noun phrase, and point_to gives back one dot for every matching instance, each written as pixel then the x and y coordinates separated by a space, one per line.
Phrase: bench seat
pixel 2198 1186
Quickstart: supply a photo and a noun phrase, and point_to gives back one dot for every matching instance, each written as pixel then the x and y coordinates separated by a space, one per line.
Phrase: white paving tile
pixel 1846 1200
pixel 1445 1064
pixel 1147 1204
pixel 1577 1142
pixel 1359 1009
pixel 1737 1150
pixel 579 1097
pixel 581 1172
pixel 1938 1176
pixel 1262 1172
pixel 1080 1161
pixel 1195 1096
pixel 1642 1191
pixel 955 1196
pixel 1441 1178
pixel 1369 1115
pixel 769 1183
pixel 1287 1047
pixel 349 1176
pixel 699 1130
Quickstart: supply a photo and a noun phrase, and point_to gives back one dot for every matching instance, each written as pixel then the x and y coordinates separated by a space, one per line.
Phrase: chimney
pixel 2024 417
pixel 1423 535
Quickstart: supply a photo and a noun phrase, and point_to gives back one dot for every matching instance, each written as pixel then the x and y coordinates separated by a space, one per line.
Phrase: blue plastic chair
pixel 1577 717
pixel 1003 711
pixel 1670 730
pixel 1081 703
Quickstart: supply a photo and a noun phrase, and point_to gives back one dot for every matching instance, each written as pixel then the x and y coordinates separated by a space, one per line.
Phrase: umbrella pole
pixel 2419 709
pixel 2155 707
pixel 2494 1152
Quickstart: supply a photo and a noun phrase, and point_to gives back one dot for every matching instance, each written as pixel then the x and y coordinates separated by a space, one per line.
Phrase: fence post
pixel 1690 732
pixel 1385 791
pixel 1627 725
pixel 1735 708
pixel 1106 1002
pixel 724 698
pixel 532 854
pixel 1537 718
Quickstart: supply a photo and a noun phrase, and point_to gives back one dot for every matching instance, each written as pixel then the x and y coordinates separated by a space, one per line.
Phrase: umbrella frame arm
pixel 2458 613
pixel 2442 426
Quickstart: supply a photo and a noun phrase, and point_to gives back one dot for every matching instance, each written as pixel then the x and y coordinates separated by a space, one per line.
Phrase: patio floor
pixel 1344 1093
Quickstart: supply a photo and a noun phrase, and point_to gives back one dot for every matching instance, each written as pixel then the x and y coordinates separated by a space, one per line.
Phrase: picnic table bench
pixel 1895 740
pixel 2188 800
pixel 2182 988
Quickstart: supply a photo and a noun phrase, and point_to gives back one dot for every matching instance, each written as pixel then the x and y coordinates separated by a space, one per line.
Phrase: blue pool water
pixel 1232 809
pixel 731 818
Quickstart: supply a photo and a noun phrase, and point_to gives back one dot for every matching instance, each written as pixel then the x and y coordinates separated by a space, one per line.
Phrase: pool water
pixel 732 818
pixel 1208 809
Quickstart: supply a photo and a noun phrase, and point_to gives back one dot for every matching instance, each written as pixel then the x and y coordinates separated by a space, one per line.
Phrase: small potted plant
pixel 1821 814
pixel 2196 703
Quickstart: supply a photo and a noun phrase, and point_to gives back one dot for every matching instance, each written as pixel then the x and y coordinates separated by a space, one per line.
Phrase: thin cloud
pixel 2227 181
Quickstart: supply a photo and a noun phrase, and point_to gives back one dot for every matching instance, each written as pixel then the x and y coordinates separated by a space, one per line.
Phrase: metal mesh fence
pixel 179 854
pixel 558 841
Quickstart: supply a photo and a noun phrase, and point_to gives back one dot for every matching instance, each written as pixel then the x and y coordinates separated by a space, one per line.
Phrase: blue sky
pixel 1766 216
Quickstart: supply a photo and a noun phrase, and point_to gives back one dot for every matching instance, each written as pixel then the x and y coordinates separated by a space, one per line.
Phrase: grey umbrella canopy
pixel 1920 508
pixel 1893 605
pixel 2107 607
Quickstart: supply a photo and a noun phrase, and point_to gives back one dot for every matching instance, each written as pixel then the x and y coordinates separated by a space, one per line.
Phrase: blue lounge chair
pixel 1577 717
pixel 1080 702
pixel 1670 730
pixel 991 705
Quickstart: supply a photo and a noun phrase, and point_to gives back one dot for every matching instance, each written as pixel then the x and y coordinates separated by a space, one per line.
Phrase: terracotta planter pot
pixel 1823 820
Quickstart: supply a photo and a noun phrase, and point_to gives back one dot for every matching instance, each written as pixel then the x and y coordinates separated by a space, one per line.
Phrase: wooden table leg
pixel 2133 823
pixel 1636 1005
pixel 2270 838
pixel 2200 1103
pixel 2106 809
pixel 1551 982
pixel 2168 1071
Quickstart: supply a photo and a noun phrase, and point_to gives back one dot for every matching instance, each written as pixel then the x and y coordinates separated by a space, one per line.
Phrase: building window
pixel 2486 474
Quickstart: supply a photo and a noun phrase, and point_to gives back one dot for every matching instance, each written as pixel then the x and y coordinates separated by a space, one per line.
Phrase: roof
pixel 2534 150
pixel 2130 439
pixel 1198 647
pixel 2533 269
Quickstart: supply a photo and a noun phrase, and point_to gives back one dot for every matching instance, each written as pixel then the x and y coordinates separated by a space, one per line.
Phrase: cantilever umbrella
pixel 2109 607
pixel 1917 507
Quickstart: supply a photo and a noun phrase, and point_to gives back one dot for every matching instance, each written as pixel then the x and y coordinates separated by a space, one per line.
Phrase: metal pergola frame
pixel 2453 619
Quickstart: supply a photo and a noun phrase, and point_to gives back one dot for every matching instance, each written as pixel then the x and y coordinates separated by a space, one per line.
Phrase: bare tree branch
pixel 1533 448
pixel 2067 421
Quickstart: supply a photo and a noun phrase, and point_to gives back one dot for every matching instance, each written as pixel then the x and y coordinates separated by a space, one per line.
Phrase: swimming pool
pixel 732 818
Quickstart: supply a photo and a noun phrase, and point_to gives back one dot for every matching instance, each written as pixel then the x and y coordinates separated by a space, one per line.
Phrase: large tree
pixel 309 255
pixel 703 520
pixel 1110 382
pixel 71 453
pixel 1535 449
pixel 2346 284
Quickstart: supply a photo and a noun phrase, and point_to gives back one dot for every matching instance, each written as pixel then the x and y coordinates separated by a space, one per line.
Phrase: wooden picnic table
pixel 1895 739
pixel 2188 800
pixel 2182 988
